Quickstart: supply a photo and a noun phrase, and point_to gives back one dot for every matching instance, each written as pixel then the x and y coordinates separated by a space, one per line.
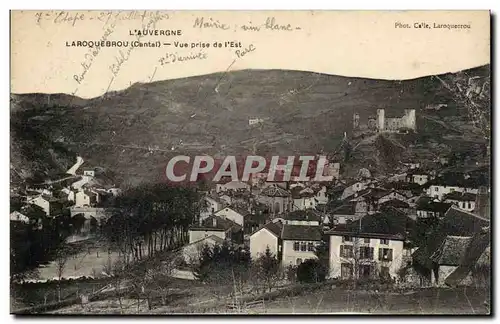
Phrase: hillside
pixel 133 132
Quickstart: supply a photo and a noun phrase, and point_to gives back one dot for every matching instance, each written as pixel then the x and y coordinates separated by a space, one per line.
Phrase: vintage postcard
pixel 250 162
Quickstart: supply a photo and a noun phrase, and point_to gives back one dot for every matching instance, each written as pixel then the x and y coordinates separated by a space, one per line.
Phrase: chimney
pixel 214 222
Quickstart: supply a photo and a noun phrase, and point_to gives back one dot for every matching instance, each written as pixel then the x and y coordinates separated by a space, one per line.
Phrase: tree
pixel 61 260
pixel 268 268
pixel 322 252
pixel 151 218
pixel 222 265
pixel 311 271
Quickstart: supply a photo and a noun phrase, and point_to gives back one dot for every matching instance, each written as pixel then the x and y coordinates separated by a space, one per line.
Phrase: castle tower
pixel 380 120
pixel 355 121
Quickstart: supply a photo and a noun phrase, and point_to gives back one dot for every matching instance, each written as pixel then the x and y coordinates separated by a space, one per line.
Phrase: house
pixel 231 186
pixel 333 169
pixel 362 254
pixel 89 172
pixel 307 217
pixel 268 236
pixel 68 194
pixel 366 200
pixel 418 176
pixel 299 243
pixel 463 200
pixel 352 188
pixel 16 216
pixel 86 198
pixel 448 256
pixel 444 253
pixel 50 205
pixel 399 205
pixel 303 198
pixel 446 184
pixel 474 266
pixel 428 208
pixel 399 177
pixel 345 212
pixel 213 204
pixel 321 194
pixel 221 227
pixel 410 164
pixel 276 198
pixel 255 220
pixel 233 213
pixel 190 253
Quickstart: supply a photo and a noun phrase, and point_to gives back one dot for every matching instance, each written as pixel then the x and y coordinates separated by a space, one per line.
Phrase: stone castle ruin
pixel 381 123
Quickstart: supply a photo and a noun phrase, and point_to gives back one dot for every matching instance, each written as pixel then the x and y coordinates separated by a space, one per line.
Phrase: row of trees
pixel 151 218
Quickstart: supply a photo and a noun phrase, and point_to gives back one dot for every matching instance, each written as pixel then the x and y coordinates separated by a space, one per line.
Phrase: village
pixel 421 226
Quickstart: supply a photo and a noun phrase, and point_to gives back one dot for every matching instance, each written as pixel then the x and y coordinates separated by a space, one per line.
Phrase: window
pixel 384 241
pixel 346 270
pixel 296 246
pixel 303 246
pixel 469 205
pixel 436 189
pixel 385 254
pixel 366 252
pixel 367 240
pixel 346 239
pixel 346 251
pixel 310 246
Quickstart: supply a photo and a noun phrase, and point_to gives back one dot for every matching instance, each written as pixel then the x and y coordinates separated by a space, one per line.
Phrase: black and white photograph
pixel 250 163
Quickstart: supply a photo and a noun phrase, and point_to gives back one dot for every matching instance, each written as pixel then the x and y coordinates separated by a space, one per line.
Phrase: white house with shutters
pixel 372 254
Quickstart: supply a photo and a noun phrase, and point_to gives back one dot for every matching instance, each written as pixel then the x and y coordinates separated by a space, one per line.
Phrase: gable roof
pixel 221 224
pixel 476 254
pixel 387 221
pixel 274 227
pixel 274 191
pixel 463 223
pixel 456 222
pixel 466 196
pixel 303 215
pixel 433 206
pixel 214 238
pixel 451 251
pixel 299 192
pixel 234 208
pixel 301 232
pixel 396 203
pixel 342 231
pixel 345 209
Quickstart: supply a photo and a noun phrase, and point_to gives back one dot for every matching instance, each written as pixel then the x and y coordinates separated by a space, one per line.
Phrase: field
pixel 327 300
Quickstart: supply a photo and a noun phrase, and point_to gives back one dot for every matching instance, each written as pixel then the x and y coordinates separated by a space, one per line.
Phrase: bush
pixel 311 271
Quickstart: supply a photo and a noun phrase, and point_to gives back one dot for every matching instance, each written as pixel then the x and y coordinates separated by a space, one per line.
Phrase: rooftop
pixel 451 251
pixel 301 232
pixel 274 191
pixel 466 196
pixel 303 215
pixel 217 223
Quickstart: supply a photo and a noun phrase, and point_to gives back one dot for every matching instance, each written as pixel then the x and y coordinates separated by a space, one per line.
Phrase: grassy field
pixel 327 299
